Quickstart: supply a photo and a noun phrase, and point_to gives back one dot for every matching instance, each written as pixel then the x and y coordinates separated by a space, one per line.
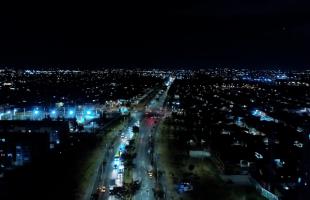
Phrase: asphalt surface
pixel 143 162
pixel 146 159
pixel 107 171
pixel 105 167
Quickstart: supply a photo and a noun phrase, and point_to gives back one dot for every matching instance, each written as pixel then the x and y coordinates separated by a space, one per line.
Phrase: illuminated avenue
pixel 154 134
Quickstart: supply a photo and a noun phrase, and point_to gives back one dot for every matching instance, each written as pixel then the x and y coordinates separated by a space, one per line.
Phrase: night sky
pixel 242 32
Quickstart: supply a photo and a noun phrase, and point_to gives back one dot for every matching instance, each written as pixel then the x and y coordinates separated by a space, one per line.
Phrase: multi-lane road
pixel 111 172
pixel 146 156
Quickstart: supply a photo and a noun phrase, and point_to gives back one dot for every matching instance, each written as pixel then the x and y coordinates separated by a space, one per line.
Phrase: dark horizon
pixel 165 67
pixel 196 34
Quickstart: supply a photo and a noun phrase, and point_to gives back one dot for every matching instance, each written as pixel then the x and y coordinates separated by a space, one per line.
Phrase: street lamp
pixel 35 113
pixel 71 112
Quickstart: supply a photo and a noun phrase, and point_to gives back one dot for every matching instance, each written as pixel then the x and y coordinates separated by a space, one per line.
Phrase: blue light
pixel 266 118
pixel 262 115
pixel 256 113
pixel 122 147
pixel 71 112
pixel 124 110
pixel 36 112
pixel 299 180
pixel 53 112
pixel 88 112
pixel 8 112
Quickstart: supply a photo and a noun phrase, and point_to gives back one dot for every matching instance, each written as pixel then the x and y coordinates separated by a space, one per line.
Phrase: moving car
pixel 101 189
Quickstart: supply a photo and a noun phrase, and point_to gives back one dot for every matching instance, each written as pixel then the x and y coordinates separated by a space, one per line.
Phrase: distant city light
pixel 282 76
pixel 299 180
pixel 124 110
pixel 263 116
pixel 258 155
